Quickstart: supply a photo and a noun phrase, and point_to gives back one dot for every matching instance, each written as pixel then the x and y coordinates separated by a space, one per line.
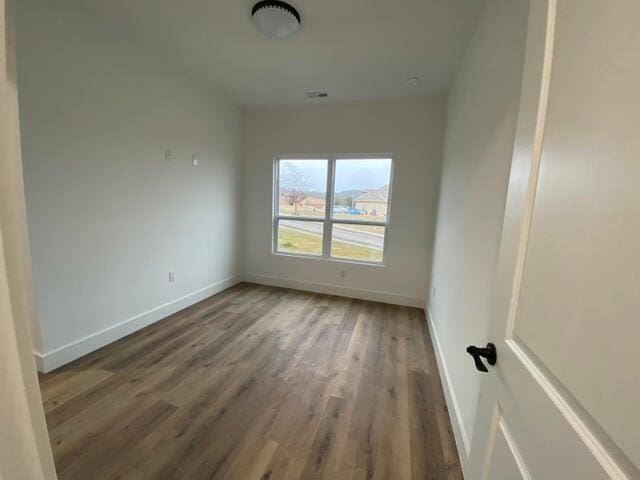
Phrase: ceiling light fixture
pixel 274 18
pixel 413 81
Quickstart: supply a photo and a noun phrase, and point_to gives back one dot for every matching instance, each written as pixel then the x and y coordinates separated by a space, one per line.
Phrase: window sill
pixel 330 259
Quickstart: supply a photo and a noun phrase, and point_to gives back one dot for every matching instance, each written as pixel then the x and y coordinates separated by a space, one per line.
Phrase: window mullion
pixel 328 226
pixel 275 205
pixel 345 221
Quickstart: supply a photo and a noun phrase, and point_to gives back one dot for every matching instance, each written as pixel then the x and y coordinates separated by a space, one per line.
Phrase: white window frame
pixel 328 220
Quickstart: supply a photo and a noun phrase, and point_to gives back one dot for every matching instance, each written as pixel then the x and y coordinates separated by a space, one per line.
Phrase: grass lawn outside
pixel 366 228
pixel 294 241
pixel 302 211
pixel 367 218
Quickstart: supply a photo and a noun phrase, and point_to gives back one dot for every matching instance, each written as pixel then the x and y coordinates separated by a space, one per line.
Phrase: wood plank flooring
pixel 257 383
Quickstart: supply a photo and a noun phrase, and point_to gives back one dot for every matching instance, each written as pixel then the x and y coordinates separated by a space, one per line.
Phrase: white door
pixel 563 400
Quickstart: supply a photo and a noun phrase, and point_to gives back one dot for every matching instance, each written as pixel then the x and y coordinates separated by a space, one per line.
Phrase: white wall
pixel 481 121
pixel 108 216
pixel 411 129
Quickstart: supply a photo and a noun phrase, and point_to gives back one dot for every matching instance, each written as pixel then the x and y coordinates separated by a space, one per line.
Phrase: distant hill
pixel 349 193
pixel 343 194
pixel 315 194
pixel 341 197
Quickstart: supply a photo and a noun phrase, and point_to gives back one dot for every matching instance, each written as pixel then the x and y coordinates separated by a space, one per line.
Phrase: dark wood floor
pixel 257 383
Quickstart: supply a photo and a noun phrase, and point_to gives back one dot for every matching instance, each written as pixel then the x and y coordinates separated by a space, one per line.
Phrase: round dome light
pixel 274 18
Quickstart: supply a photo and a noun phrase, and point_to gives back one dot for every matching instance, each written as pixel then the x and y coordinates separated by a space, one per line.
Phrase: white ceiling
pixel 352 49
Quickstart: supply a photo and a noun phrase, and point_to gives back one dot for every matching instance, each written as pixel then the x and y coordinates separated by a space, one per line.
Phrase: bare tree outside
pixel 294 183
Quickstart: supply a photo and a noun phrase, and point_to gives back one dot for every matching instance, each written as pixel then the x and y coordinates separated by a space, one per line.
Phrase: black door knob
pixel 488 352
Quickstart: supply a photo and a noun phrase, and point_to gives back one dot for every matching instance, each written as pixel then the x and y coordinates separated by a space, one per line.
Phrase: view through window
pixel 332 207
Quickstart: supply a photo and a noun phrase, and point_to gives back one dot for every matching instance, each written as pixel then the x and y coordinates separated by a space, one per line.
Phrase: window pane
pixel 357 242
pixel 302 187
pixel 362 189
pixel 295 236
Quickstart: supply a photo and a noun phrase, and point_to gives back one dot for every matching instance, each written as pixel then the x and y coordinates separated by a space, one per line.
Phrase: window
pixel 332 207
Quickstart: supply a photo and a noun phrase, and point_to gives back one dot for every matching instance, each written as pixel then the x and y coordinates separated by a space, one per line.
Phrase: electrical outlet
pixel 194 159
pixel 172 276
pixel 434 293
pixel 168 154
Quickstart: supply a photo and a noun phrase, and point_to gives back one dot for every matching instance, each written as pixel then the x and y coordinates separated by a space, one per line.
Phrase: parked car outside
pixel 354 211
pixel 340 209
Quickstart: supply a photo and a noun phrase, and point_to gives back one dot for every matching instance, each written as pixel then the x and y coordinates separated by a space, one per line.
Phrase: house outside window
pixel 373 202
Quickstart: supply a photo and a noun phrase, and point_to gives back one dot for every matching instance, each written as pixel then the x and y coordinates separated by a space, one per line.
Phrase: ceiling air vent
pixel 317 94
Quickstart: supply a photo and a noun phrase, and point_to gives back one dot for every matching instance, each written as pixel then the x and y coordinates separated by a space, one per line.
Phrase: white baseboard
pixel 40 361
pixel 373 295
pixel 462 439
pixel 63 355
